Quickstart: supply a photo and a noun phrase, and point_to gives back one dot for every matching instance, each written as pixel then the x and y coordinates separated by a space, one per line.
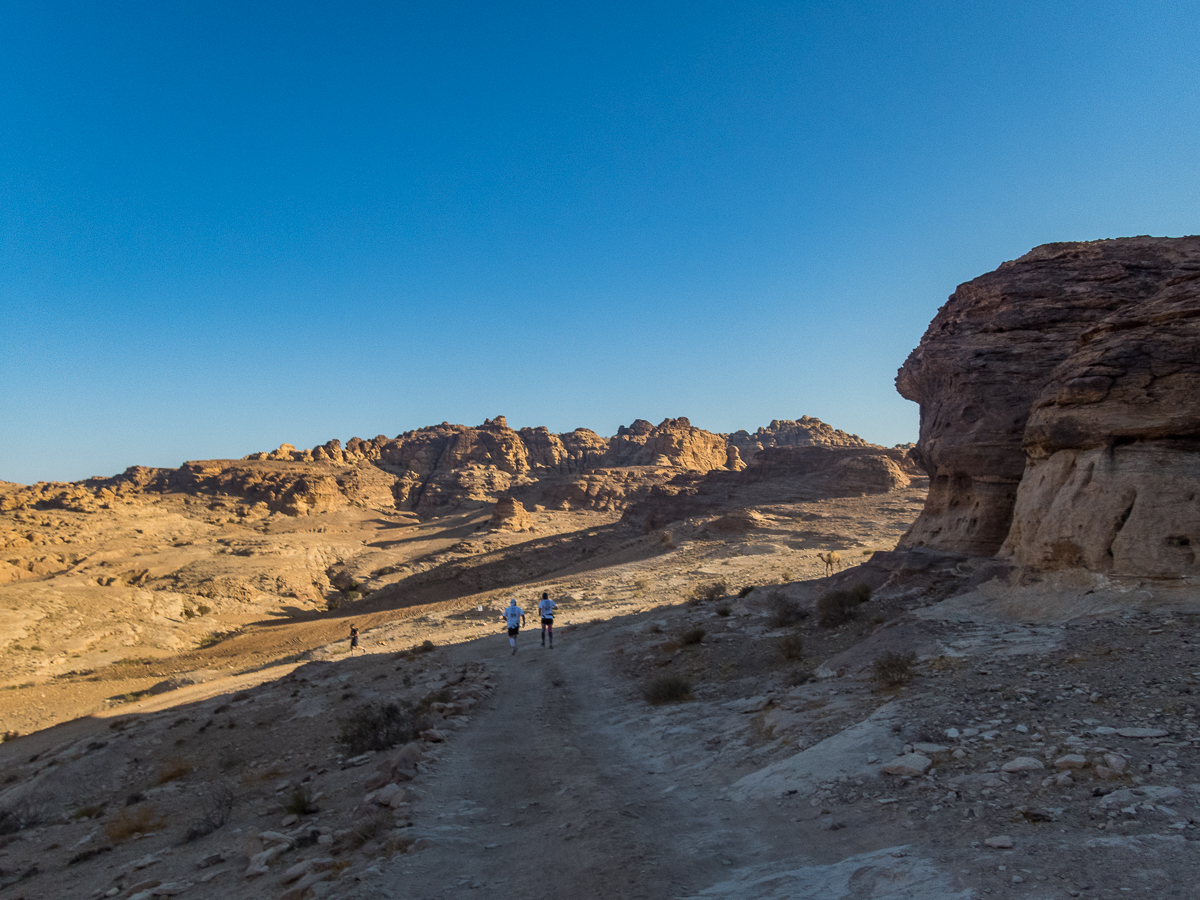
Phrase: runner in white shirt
pixel 546 608
pixel 515 617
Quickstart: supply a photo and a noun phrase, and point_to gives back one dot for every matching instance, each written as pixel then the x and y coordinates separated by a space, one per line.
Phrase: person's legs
pixel 550 628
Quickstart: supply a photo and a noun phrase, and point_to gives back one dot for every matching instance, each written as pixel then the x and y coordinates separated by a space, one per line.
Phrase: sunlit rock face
pixel 1060 416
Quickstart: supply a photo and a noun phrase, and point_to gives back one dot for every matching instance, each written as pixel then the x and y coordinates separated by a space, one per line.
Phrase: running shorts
pixel 547 620
pixel 513 629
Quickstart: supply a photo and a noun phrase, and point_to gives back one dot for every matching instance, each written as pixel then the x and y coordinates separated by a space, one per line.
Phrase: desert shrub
pixel 861 592
pixel 216 637
pixel 745 592
pixel 216 802
pixel 125 824
pixel 785 575
pixel 667 540
pixel 362 832
pixel 835 608
pixel 667 689
pixel 427 646
pixel 711 592
pixel 791 647
pixel 174 768
pixel 783 611
pixel 798 676
pixel 724 611
pixel 299 802
pixel 379 727
pixel 891 668
pixel 692 636
pixel 641 584
pixel 203 610
pixel 333 602
pixel 188 612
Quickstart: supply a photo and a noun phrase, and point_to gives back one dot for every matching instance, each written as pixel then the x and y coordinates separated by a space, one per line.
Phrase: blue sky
pixel 228 225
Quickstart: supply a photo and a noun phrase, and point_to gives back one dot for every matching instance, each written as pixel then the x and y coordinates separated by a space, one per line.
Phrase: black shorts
pixel 513 629
pixel 548 620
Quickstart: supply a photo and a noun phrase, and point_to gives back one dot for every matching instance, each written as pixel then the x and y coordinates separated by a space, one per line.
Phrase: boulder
pixel 510 515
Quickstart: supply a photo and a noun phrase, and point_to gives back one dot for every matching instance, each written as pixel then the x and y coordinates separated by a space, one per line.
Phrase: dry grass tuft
pixel 125 824
pixel 693 635
pixel 175 768
pixel 791 647
pixel 783 611
pixel 667 689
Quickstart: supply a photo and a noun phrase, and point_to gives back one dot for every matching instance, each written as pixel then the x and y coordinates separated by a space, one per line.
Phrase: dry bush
pixel 667 689
pixel 667 540
pixel 366 829
pixel 175 768
pixel 835 608
pixel 299 801
pixel 783 611
pixel 708 593
pixel 126 824
pixel 892 668
pixel 693 635
pixel 217 800
pixel 861 592
pixel 791 647
pixel 379 727
pixel 723 611
pixel 745 591
pixel 426 646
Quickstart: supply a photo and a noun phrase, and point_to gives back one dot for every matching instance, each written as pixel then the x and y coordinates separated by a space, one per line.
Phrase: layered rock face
pixel 1060 411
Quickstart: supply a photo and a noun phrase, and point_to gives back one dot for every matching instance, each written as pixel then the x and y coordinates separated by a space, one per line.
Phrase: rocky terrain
pixel 785 664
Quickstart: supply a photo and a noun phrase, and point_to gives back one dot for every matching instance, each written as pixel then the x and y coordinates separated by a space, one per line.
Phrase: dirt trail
pixel 544 796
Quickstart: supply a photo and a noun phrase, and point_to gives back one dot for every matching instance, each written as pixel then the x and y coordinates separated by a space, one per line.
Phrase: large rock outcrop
pixel 806 431
pixel 1060 410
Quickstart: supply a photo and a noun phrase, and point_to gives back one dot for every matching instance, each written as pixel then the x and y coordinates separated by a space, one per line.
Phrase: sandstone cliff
pixel 1060 417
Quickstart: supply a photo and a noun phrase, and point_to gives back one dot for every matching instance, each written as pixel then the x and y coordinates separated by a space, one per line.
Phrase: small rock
pixel 952 733
pixel 1116 762
pixel 1000 842
pixel 1022 764
pixel 930 750
pixel 289 819
pixel 1142 732
pixel 433 736
pixel 1023 729
pixel 908 764
pixel 1071 761
pixel 211 860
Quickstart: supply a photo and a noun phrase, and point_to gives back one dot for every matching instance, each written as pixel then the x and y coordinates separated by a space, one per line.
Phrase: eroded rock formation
pixel 1060 410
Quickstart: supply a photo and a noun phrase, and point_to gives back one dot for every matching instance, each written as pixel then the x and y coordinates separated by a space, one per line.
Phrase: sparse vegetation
pixel 692 635
pixel 791 647
pixel 300 801
pixel 667 689
pixel 363 832
pixel 125 824
pixel 92 811
pixel 641 584
pixel 215 637
pixel 723 611
pixel 379 727
pixel 709 593
pixel 838 607
pixel 745 591
pixel 667 540
pixel 783 611
pixel 175 768
pixel 426 646
pixel 445 695
pixel 217 800
pixel 892 668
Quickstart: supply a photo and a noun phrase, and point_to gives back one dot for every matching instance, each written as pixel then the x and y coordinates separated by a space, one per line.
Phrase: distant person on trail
pixel 515 617
pixel 353 638
pixel 546 608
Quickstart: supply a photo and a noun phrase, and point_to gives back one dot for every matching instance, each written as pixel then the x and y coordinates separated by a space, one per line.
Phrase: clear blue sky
pixel 228 225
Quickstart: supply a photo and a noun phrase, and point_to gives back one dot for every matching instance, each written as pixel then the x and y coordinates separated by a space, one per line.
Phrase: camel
pixel 832 560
